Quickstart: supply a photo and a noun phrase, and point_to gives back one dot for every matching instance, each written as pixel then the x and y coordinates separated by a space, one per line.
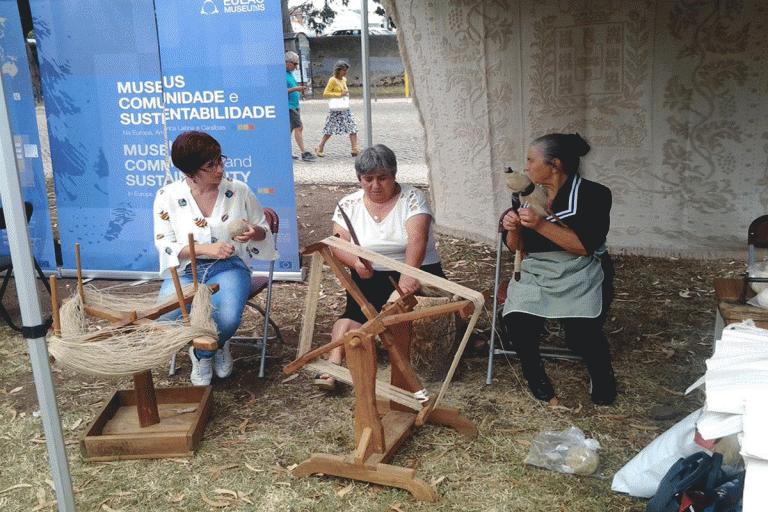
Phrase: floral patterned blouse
pixel 176 214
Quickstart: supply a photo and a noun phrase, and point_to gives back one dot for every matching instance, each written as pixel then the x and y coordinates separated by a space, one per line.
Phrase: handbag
pixel 699 472
pixel 338 104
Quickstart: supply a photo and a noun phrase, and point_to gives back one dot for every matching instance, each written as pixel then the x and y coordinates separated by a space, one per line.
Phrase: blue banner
pixel 123 79
pixel 21 110
pixel 224 68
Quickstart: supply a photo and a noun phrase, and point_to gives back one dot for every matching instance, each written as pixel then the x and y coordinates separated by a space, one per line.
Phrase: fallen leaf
pixel 343 492
pixel 253 468
pixel 437 481
pixel 672 391
pixel 178 498
pixel 289 379
pixel 643 427
pixel 15 390
pixel 668 352
pixel 17 486
pixel 217 472
pixel 217 504
pixel 76 424
pixel 226 492
pixel 396 507
pixel 613 416
pixel 42 506
pixel 185 410
pixel 243 426
pixel 523 442
pixel 686 294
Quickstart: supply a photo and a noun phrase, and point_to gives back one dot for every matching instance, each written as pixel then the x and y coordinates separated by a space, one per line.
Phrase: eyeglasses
pixel 295 63
pixel 213 164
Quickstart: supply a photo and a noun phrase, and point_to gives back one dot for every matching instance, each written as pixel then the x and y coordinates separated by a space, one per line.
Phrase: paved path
pixel 395 123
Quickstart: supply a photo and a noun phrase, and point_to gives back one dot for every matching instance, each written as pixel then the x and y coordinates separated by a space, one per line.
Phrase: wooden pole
pixel 55 305
pixel 179 294
pixel 193 258
pixel 146 399
pixel 79 274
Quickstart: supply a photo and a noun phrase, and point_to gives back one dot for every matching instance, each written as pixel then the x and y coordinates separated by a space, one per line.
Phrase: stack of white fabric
pixel 736 385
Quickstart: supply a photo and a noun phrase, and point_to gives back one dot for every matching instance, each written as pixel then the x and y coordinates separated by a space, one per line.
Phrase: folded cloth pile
pixel 736 385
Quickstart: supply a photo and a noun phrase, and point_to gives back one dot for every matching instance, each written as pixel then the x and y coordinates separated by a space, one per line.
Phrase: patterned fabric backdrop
pixel 670 94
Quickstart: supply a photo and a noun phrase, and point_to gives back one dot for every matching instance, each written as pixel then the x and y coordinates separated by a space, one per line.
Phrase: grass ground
pixel 660 329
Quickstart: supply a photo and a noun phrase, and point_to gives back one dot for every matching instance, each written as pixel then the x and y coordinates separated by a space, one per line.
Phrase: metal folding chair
pixel 546 351
pixel 258 285
pixel 6 265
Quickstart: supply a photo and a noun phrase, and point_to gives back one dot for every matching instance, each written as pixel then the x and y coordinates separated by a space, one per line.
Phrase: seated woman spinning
pixel 392 220
pixel 204 203
pixel 567 273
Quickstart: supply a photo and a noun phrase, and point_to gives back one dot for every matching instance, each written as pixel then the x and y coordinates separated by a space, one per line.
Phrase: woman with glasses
pixel 206 204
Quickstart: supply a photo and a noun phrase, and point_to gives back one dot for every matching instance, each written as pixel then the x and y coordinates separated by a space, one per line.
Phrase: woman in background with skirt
pixel 339 118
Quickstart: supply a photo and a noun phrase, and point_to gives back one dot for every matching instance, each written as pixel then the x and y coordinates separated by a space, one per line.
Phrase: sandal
pixel 324 382
pixel 319 152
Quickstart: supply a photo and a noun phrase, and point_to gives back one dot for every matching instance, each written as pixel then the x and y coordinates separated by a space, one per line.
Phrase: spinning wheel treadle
pixel 385 413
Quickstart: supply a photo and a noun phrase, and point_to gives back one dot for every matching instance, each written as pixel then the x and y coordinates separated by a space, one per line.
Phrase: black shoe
pixel 307 157
pixel 542 388
pixel 604 392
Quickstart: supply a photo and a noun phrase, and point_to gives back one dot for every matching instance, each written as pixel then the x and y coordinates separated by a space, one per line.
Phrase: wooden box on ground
pixel 732 295
pixel 115 433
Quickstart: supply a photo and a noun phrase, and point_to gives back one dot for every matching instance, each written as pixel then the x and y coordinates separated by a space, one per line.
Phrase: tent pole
pixel 366 67
pixel 29 304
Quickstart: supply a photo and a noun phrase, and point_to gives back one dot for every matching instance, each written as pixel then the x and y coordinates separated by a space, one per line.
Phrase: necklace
pixel 379 210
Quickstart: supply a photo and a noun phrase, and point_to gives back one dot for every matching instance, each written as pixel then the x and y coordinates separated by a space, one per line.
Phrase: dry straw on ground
pixel 660 328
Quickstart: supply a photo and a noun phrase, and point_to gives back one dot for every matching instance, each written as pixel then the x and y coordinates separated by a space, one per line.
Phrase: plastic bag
pixel 641 476
pixel 567 452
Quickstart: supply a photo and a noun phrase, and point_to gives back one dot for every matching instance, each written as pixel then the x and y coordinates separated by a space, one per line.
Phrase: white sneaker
pixel 202 371
pixel 222 362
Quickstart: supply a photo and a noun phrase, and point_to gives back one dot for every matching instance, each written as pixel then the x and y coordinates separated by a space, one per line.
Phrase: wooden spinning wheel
pixel 385 412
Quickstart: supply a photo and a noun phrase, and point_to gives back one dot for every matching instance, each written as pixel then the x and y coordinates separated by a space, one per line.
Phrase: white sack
pixel 641 476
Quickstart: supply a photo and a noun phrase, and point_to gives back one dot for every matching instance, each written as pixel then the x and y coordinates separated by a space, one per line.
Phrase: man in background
pixel 294 90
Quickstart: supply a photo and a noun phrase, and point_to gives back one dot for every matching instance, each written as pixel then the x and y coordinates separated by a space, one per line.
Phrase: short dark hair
pixel 192 150
pixel 566 147
pixel 374 159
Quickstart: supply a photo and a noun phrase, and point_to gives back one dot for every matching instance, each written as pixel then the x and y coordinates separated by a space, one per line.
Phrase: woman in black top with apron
pixel 567 274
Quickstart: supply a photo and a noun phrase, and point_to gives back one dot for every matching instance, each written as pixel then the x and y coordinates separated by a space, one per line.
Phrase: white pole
pixel 366 66
pixel 29 304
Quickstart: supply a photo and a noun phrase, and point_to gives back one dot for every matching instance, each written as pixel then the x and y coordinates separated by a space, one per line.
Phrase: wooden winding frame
pixel 385 412
pixel 131 424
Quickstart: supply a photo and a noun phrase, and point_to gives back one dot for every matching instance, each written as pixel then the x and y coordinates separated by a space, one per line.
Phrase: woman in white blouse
pixel 390 219
pixel 205 202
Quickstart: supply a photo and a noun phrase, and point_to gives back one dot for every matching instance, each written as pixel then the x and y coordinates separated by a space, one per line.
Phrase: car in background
pixel 374 31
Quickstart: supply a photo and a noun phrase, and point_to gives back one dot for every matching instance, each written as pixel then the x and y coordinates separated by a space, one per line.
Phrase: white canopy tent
pixel 31 316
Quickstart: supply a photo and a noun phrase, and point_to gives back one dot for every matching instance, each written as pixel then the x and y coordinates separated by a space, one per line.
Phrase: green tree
pixel 319 19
